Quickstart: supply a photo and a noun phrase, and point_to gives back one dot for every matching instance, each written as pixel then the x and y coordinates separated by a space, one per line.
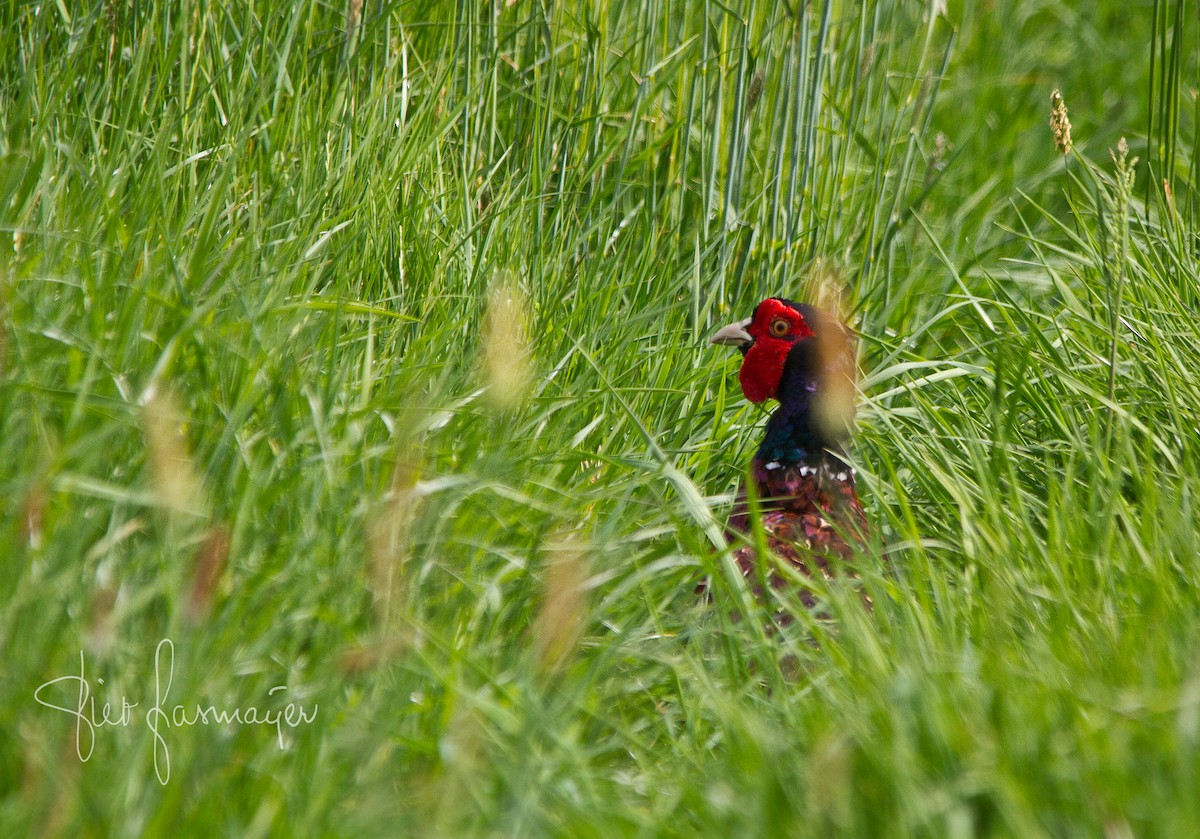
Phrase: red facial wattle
pixel 762 367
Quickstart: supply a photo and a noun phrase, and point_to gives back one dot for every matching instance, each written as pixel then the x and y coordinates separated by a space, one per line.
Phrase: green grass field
pixel 359 351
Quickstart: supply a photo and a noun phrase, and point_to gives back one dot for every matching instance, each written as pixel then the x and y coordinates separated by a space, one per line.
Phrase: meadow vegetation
pixel 361 348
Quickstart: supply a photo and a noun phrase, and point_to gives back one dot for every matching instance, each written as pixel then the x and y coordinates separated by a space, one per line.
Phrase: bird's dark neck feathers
pixel 793 435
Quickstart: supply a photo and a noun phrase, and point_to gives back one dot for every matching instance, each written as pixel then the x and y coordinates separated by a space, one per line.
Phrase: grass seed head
pixel 755 92
pixel 559 624
pixel 506 345
pixel 353 16
pixel 1059 123
pixel 836 406
pixel 102 626
pixel 33 515
pixel 173 473
pixel 3 321
pixel 388 536
pixel 209 566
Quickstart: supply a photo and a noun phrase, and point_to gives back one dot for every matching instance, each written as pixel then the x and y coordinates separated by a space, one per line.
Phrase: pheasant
pixel 803 358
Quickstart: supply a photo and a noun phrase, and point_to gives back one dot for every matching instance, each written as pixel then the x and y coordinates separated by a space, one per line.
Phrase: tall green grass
pixel 363 349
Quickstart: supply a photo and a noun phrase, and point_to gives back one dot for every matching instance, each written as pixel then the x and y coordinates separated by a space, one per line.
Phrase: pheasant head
pixel 803 358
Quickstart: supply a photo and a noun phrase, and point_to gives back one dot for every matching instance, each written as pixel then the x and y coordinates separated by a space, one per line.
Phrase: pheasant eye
pixel 780 327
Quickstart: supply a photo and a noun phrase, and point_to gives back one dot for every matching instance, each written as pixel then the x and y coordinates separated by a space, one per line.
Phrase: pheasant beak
pixel 734 335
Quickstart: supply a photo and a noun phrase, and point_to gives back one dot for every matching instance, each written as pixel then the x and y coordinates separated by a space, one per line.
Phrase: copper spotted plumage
pixel 803 358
